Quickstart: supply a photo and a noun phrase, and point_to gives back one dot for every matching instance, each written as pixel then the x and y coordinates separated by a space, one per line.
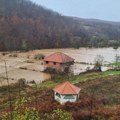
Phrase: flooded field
pixel 20 68
pixel 86 54
pixel 25 66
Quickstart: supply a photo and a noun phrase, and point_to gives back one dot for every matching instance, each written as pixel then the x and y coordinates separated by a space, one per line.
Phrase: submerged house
pixel 58 61
pixel 66 92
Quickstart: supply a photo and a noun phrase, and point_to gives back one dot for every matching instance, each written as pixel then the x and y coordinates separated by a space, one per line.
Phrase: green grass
pixel 76 79
pixel 116 64
pixel 47 84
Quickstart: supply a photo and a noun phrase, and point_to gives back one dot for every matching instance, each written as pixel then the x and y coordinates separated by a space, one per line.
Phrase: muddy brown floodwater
pixel 34 67
pixel 86 54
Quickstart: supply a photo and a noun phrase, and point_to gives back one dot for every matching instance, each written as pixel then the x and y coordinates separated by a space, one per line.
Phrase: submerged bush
pixel 22 81
pixel 13 55
pixel 39 56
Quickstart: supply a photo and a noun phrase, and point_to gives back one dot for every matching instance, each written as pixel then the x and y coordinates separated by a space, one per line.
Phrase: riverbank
pixel 78 78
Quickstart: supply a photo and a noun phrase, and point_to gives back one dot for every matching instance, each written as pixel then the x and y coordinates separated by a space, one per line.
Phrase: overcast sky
pixel 99 9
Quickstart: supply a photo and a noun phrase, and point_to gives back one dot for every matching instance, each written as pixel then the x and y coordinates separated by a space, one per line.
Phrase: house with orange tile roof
pixel 66 92
pixel 58 61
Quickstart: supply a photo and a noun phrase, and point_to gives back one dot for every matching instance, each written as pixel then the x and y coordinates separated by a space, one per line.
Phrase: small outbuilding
pixel 66 92
pixel 58 61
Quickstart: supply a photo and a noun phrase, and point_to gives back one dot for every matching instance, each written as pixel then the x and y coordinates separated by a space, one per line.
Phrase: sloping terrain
pixel 99 98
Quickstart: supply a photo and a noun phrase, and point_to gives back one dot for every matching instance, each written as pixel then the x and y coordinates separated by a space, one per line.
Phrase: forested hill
pixel 25 25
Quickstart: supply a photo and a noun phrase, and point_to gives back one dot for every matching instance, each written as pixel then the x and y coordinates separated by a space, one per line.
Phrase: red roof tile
pixel 59 57
pixel 67 88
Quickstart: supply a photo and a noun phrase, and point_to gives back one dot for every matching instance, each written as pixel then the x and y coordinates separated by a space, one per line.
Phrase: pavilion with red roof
pixel 58 61
pixel 66 92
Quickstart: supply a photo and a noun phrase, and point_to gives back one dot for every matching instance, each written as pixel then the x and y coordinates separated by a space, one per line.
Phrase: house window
pixel 47 62
pixel 54 63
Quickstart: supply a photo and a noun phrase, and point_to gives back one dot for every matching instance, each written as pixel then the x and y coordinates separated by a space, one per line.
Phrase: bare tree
pixel 98 62
pixel 1 81
pixel 9 91
pixel 117 62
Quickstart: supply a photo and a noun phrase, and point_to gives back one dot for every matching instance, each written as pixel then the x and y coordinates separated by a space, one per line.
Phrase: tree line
pixel 27 26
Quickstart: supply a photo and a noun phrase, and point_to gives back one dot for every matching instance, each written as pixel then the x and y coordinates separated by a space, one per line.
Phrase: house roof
pixel 59 57
pixel 67 88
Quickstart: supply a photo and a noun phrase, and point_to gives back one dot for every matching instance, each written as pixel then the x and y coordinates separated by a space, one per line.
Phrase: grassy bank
pixel 78 78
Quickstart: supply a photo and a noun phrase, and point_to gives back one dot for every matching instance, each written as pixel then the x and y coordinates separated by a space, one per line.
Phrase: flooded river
pixel 87 55
pixel 32 71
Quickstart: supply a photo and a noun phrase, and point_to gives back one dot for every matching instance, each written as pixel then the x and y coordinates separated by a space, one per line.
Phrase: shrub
pixel 3 89
pixel 13 55
pixel 4 53
pixel 21 112
pixel 50 70
pixel 39 56
pixel 54 71
pixel 29 61
pixel 32 82
pixel 58 115
pixel 22 81
pixel 24 68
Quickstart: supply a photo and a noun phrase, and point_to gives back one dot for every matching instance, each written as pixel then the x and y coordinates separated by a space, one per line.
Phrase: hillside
pixel 99 98
pixel 100 32
pixel 25 25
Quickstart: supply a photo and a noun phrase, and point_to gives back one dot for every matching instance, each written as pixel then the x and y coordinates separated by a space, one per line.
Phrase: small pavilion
pixel 66 92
